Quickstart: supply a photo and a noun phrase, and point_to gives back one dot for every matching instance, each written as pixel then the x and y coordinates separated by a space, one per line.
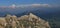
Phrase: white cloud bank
pixel 33 5
pixel 38 5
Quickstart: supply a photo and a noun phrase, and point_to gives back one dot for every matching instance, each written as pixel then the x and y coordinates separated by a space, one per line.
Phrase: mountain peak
pixel 25 21
pixel 32 15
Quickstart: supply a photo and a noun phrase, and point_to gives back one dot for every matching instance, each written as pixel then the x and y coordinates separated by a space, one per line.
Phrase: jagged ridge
pixel 25 21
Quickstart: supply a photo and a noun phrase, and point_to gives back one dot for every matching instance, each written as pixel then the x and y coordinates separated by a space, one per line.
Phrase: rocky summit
pixel 25 21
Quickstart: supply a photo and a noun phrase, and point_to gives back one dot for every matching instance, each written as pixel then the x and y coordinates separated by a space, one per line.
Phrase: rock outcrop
pixel 25 21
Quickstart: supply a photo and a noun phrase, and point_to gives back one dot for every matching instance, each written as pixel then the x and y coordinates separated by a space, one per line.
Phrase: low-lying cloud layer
pixel 34 5
pixel 31 5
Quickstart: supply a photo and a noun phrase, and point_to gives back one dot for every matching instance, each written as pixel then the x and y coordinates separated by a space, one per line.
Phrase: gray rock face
pixel 26 21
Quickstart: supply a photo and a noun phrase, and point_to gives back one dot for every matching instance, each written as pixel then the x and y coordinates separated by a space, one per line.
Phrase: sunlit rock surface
pixel 25 21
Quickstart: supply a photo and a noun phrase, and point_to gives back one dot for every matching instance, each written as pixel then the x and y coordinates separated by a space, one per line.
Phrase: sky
pixel 20 2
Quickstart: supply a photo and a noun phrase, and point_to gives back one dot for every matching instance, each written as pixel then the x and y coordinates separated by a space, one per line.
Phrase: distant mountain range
pixel 40 11
pixel 51 14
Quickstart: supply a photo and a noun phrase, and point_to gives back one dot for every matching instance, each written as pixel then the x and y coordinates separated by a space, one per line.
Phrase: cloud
pixel 39 5
pixel 32 5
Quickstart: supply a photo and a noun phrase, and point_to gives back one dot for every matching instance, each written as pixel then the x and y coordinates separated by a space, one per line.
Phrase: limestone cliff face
pixel 25 21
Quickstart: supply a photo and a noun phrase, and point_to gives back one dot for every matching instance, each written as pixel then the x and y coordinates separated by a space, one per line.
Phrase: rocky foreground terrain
pixel 25 21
